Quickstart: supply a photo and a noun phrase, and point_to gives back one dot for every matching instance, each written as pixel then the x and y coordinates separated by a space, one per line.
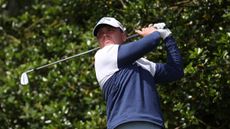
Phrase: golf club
pixel 24 77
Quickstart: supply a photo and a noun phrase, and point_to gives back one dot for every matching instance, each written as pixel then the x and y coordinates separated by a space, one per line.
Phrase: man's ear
pixel 124 36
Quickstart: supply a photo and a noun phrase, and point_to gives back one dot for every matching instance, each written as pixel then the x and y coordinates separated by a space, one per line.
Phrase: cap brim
pixel 96 28
pixel 107 21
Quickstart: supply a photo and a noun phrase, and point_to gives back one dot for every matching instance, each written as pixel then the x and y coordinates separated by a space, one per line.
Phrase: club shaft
pixel 83 53
pixel 43 66
pixel 132 36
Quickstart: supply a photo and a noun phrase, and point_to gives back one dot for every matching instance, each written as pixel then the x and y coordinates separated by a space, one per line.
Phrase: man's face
pixel 110 35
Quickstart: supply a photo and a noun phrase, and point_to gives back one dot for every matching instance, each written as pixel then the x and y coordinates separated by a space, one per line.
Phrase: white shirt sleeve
pixel 106 63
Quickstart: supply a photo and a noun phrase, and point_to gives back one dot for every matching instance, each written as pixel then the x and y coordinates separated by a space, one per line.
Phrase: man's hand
pixel 163 32
pixel 146 31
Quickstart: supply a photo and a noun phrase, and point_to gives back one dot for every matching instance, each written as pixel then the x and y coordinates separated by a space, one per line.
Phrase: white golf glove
pixel 159 25
pixel 163 32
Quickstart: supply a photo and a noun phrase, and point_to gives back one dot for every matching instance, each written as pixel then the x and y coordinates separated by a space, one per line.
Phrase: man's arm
pixel 130 52
pixel 173 69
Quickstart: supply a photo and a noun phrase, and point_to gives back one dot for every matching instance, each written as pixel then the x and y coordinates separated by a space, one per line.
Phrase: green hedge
pixel 67 95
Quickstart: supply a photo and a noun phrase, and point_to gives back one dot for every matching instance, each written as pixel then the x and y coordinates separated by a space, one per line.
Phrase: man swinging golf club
pixel 128 80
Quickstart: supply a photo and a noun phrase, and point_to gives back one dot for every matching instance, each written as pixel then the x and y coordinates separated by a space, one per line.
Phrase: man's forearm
pixel 173 69
pixel 130 52
pixel 173 54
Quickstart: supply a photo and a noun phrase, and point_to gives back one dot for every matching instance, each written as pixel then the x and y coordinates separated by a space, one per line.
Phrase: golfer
pixel 127 79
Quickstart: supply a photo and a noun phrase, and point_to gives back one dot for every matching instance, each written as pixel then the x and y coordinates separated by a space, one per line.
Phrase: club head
pixel 24 79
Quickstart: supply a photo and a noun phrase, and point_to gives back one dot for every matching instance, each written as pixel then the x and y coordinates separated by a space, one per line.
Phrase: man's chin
pixel 109 42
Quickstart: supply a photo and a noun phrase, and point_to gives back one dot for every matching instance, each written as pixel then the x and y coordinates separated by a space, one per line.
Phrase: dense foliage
pixel 67 95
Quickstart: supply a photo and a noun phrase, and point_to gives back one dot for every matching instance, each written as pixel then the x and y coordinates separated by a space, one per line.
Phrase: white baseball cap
pixel 108 21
